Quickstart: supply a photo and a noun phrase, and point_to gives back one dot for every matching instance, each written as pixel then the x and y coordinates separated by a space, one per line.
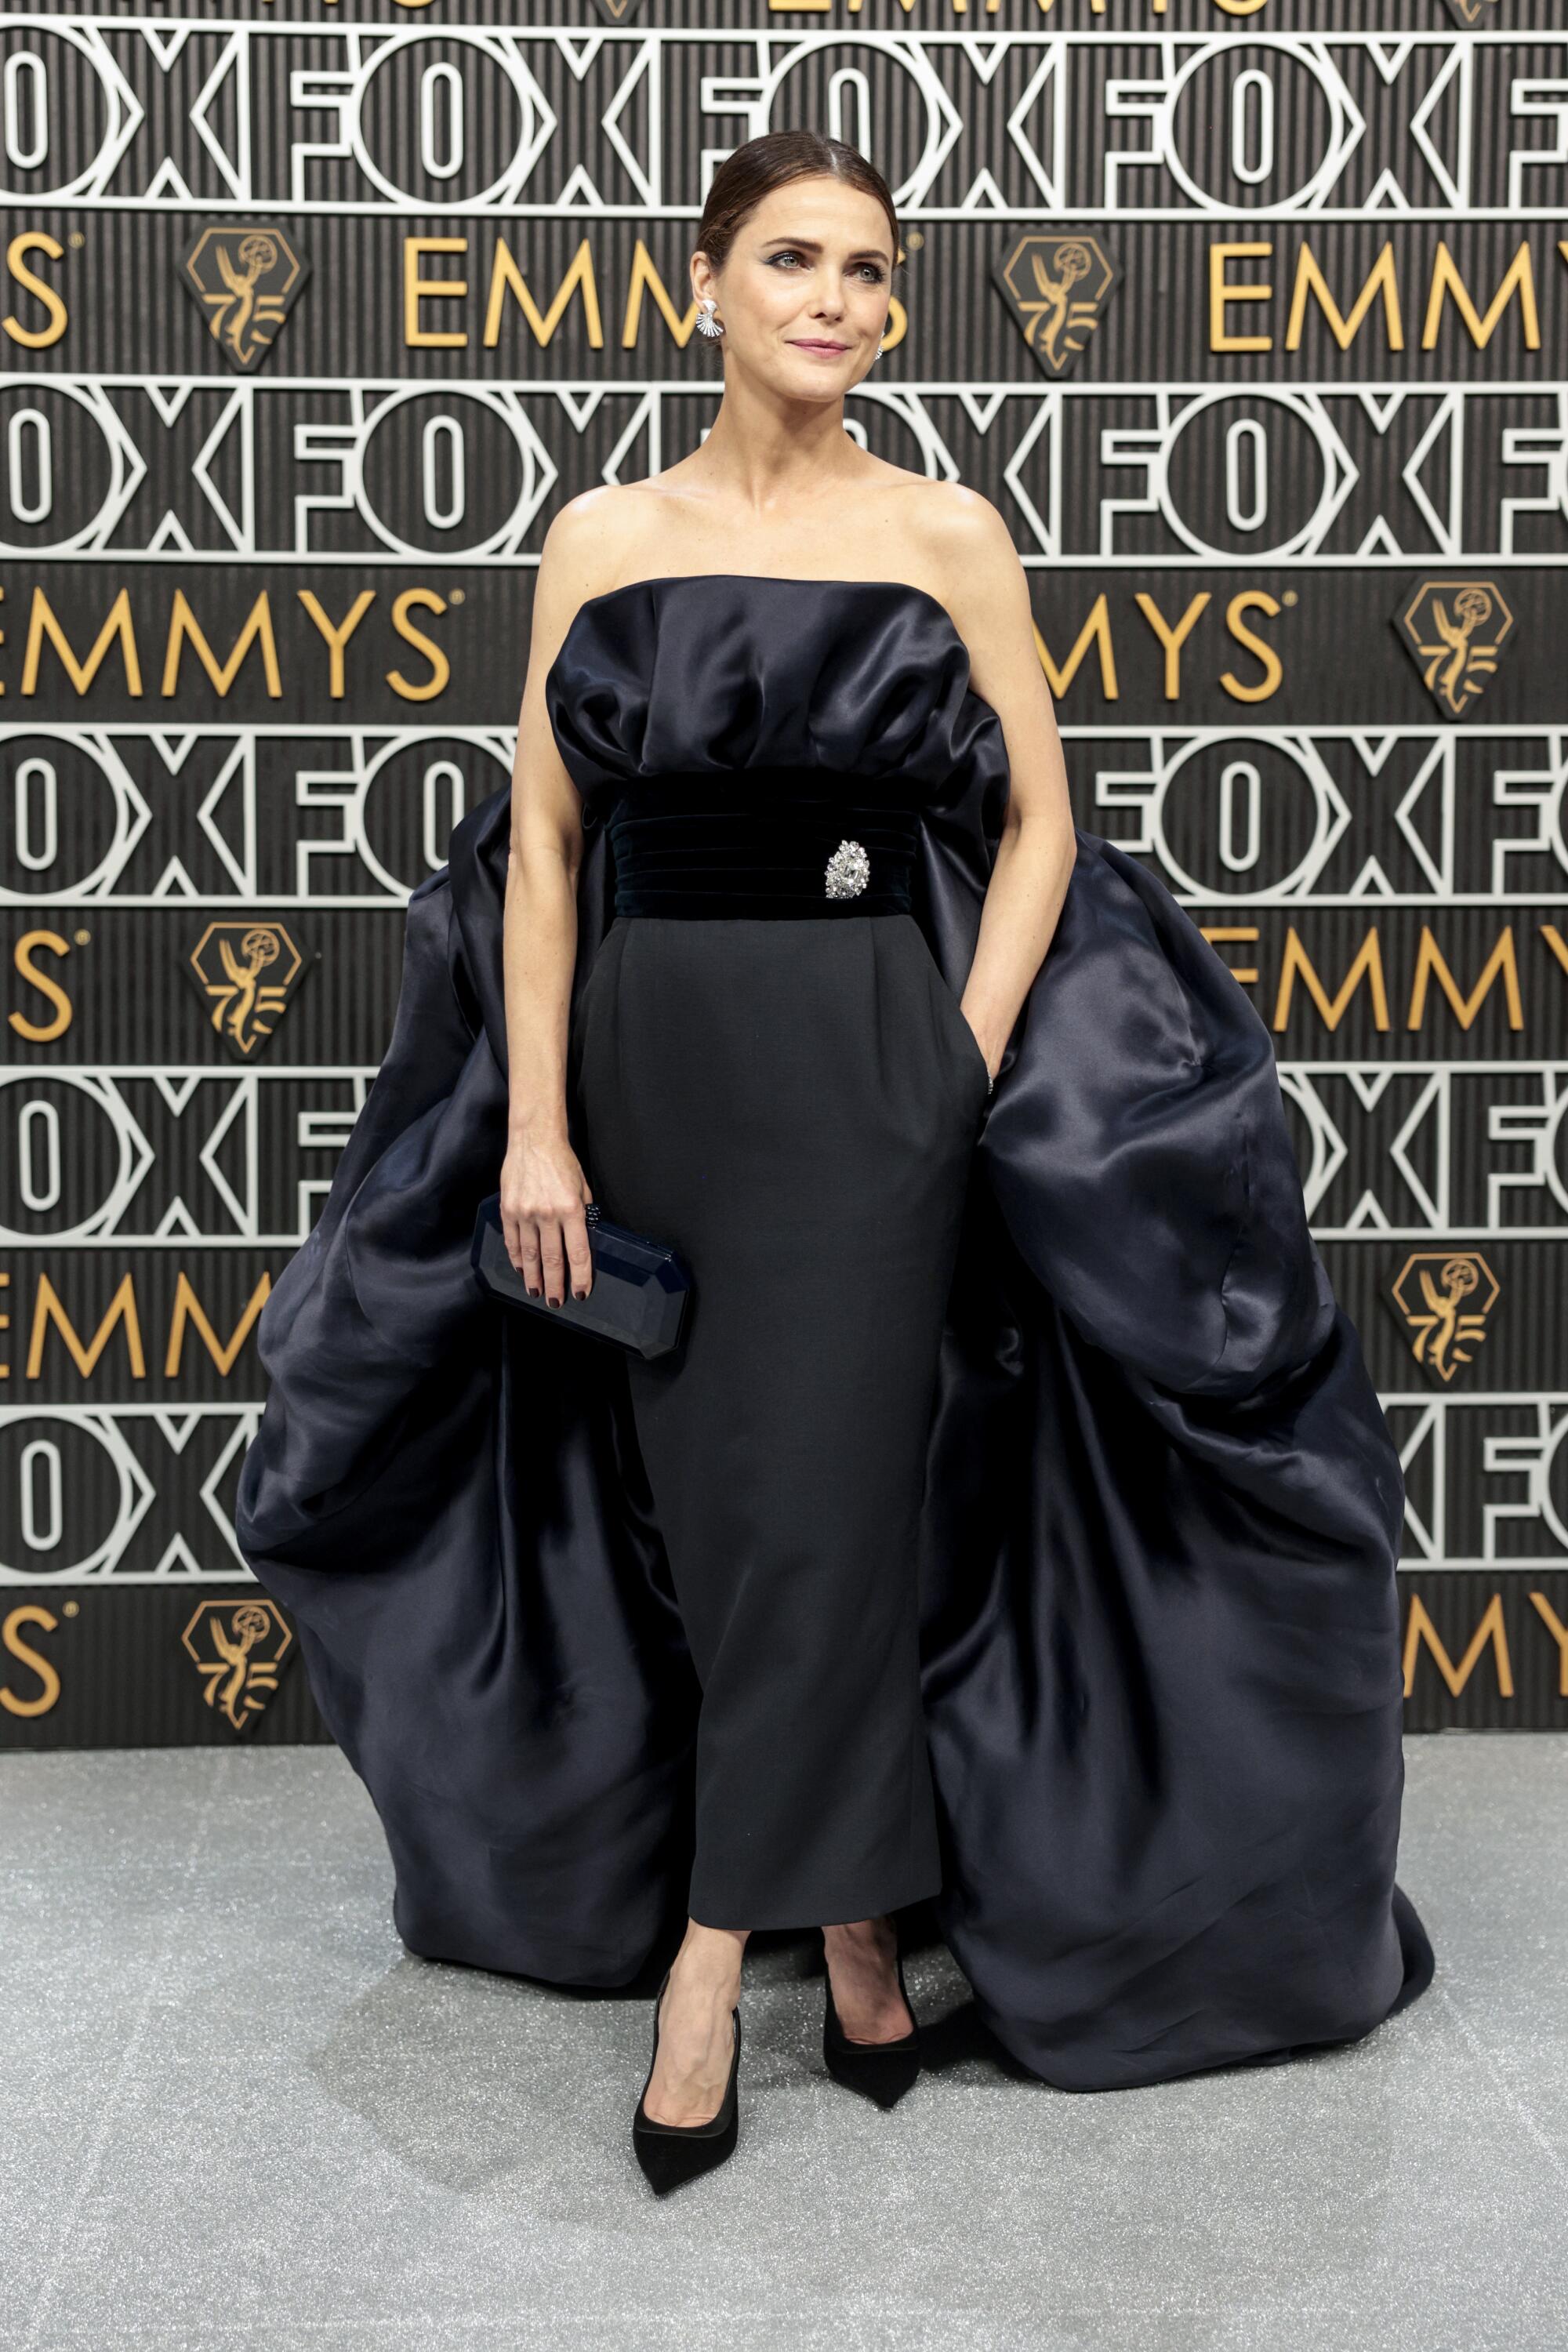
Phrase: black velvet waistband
pixel 764 841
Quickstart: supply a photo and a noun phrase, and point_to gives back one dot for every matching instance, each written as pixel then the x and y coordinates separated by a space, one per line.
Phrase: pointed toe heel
pixel 671 2153
pixel 882 2071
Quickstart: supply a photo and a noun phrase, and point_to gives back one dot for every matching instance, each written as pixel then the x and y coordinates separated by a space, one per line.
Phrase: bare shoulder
pixel 962 551
pixel 594 542
pixel 599 539
pixel 969 549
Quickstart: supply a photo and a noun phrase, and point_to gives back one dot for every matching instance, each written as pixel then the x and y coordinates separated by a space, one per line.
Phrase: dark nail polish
pixel 531 1292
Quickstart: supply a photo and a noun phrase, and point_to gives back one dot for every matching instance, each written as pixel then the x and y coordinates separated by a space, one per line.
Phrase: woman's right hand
pixel 543 1192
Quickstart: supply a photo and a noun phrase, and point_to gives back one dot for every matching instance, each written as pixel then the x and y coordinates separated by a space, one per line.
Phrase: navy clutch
pixel 637 1298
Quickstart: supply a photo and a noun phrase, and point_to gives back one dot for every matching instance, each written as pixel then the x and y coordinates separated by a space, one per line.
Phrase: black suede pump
pixel 671 2153
pixel 883 2071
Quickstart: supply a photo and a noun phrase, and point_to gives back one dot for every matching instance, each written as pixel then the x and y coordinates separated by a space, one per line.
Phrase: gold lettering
pixel 337 637
pixel 1381 279
pixel 1555 941
pixel 1447 280
pixel 188 1308
pixel 646 278
pixel 1097 628
pixel 27 946
pixel 29 1613
pixel 1368 963
pixel 183 624
pixel 48 1309
pixel 34 338
pixel 1420 1629
pixel 1173 637
pixel 1429 959
pixel 1224 291
pixel 440 666
pixel 1251 599
pixel 506 277
pixel 118 625
pixel 1213 932
pixel 1558 1633
pixel 417 290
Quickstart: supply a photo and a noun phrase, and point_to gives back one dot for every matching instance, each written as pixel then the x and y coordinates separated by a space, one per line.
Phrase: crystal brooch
pixel 849 870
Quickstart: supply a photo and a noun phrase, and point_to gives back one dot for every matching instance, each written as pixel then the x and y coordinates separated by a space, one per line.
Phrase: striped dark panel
pixel 1384 872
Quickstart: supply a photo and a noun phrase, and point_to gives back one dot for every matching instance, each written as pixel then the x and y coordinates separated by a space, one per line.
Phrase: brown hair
pixel 766 162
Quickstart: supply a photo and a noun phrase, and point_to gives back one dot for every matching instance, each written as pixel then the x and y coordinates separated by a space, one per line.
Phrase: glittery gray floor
pixel 238 2114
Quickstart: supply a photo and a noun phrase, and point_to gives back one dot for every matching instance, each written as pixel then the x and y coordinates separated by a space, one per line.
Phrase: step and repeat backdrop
pixel 1251 317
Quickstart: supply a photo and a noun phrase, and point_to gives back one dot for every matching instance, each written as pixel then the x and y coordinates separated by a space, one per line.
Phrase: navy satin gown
pixel 1158 1656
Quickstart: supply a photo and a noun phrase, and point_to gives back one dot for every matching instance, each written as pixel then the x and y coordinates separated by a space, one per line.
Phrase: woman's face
pixel 805 289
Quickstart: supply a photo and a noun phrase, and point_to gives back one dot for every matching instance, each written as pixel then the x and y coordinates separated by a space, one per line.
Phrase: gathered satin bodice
pixel 727 671
pixel 740 732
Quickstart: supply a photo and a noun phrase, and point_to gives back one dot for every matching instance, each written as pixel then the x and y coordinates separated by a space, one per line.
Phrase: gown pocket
pixel 968 1044
pixel 948 1013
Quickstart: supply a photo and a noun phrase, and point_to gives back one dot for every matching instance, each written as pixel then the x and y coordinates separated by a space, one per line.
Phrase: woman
pixel 1028 1547
pixel 780 1092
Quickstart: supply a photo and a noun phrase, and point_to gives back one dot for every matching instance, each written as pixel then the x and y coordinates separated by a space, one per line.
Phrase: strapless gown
pixel 1142 1611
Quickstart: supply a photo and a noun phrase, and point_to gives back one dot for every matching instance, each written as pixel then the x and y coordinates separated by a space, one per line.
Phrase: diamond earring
pixel 707 323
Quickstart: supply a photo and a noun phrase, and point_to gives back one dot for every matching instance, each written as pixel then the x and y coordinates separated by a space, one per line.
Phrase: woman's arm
pixel 986 592
pixel 543 1189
